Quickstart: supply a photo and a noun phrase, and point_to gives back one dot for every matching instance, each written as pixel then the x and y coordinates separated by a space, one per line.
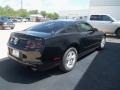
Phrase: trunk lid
pixel 19 40
pixel 33 34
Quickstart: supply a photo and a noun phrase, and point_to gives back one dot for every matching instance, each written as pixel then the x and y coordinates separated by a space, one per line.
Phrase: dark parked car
pixel 54 43
pixel 5 22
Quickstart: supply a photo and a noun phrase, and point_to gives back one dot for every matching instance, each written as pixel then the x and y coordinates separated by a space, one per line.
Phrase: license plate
pixel 15 53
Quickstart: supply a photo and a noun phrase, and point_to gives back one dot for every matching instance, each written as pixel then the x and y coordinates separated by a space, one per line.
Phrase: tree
pixel 53 15
pixel 49 15
pixel 43 13
pixel 1 11
pixel 33 12
pixel 23 13
pixel 7 11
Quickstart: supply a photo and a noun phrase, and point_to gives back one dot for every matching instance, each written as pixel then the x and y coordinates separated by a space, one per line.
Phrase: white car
pixel 24 20
pixel 105 23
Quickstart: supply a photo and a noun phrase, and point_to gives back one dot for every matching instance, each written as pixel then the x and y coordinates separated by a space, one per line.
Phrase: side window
pixel 70 29
pixel 58 26
pixel 106 18
pixel 100 18
pixel 95 17
pixel 83 27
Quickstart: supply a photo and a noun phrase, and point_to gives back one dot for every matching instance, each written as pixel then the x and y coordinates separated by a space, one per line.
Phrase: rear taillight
pixel 34 44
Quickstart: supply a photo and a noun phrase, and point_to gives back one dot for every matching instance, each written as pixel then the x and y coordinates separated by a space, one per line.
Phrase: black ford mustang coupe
pixel 54 43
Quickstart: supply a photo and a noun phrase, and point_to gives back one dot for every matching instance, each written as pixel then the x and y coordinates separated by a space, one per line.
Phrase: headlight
pixel 11 39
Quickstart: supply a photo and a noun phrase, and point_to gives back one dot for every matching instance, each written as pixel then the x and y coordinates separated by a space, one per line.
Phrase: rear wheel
pixel 118 33
pixel 32 68
pixel 69 59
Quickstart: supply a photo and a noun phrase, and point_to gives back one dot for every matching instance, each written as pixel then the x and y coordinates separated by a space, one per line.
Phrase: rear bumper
pixel 32 59
pixel 8 26
pixel 28 62
pixel 26 57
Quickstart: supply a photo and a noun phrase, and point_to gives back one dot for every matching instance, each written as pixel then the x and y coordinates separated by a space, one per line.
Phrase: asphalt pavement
pixel 100 70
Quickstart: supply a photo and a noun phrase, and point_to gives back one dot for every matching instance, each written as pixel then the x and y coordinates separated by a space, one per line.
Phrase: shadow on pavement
pixel 14 72
pixel 104 72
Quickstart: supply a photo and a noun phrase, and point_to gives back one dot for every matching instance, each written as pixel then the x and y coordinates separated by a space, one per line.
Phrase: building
pixel 110 7
pixel 73 14
pixel 36 18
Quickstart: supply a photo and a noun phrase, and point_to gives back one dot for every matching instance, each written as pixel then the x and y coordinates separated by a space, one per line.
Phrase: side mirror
pixel 95 29
pixel 112 21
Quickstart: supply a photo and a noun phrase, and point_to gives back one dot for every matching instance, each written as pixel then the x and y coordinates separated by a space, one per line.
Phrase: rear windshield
pixel 49 26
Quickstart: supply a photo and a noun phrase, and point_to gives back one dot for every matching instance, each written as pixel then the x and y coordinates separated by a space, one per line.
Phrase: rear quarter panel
pixel 56 45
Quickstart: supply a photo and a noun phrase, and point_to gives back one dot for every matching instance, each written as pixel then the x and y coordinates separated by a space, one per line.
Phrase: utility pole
pixel 21 4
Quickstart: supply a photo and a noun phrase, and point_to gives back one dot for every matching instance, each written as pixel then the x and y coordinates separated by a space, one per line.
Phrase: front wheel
pixel 118 33
pixel 102 43
pixel 69 59
pixel 12 27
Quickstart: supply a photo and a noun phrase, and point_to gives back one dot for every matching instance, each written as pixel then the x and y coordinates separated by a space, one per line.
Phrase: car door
pixel 71 34
pixel 91 37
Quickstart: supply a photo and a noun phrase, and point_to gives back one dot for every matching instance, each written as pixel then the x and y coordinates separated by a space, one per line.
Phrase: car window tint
pixel 95 17
pixel 83 27
pixel 71 28
pixel 106 18
pixel 44 27
pixel 48 27
pixel 58 26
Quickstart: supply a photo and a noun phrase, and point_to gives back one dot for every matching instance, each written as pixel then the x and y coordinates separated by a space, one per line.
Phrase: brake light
pixel 34 44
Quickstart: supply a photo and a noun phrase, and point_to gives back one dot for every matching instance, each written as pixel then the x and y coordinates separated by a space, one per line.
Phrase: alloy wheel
pixel 103 41
pixel 69 59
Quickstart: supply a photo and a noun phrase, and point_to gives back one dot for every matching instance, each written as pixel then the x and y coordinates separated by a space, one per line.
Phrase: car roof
pixel 68 20
pixel 72 20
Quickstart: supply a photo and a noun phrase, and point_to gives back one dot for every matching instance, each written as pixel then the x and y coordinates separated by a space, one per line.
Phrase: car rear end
pixel 34 46
pixel 1 25
pixel 8 25
pixel 26 49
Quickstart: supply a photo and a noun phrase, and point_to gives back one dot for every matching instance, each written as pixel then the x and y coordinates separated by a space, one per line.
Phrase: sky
pixel 47 5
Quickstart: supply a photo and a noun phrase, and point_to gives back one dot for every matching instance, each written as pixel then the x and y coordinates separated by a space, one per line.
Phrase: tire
pixel 118 33
pixel 32 68
pixel 12 27
pixel 2 28
pixel 102 43
pixel 69 59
